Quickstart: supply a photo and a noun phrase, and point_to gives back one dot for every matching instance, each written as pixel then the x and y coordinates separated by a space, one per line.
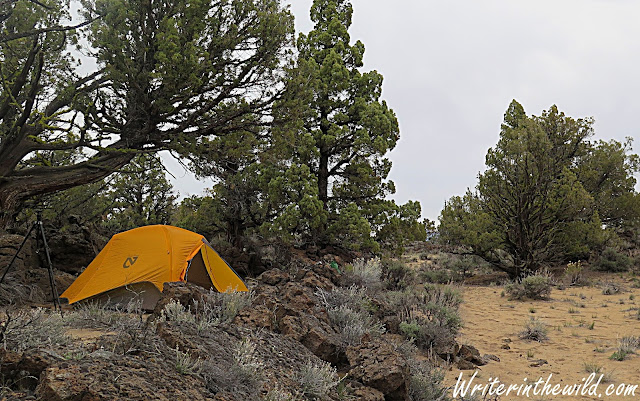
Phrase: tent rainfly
pixel 135 264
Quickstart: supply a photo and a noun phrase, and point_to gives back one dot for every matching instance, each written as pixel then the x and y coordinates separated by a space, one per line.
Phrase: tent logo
pixel 129 262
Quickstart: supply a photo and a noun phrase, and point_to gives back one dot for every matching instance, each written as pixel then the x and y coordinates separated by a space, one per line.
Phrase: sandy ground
pixel 492 324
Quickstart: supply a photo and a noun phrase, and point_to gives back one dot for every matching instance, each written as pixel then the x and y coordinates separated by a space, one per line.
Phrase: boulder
pixel 9 245
pixel 185 293
pixel 471 354
pixel 72 248
pixel 378 365
pixel 368 394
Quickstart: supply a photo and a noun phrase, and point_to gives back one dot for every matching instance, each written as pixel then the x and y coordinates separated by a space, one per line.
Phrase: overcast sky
pixel 451 68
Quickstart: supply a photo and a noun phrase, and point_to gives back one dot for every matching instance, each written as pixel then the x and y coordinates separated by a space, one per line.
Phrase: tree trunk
pixel 24 184
pixel 323 179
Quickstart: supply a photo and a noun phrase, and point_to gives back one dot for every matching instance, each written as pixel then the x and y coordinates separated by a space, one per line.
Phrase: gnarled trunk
pixel 21 185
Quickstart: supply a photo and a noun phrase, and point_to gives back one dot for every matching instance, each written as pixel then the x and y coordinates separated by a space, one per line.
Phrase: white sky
pixel 451 68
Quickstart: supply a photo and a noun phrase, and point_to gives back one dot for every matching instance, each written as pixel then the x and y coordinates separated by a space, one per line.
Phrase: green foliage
pixel 531 287
pixel 395 274
pixel 612 260
pixel 429 317
pixel 177 75
pixel 138 195
pixel 343 132
pixel 141 195
pixel 546 194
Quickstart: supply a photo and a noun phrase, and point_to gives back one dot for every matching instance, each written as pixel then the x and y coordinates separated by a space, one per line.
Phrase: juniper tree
pixel 169 73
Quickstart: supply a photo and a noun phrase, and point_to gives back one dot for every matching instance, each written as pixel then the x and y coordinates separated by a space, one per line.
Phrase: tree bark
pixel 23 184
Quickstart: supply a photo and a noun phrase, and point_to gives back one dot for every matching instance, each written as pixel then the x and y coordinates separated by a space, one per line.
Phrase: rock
pixel 9 245
pixel 368 394
pixel 471 354
pixel 274 277
pixel 40 279
pixel 66 384
pixel 23 370
pixel 313 280
pixel 185 293
pixel 317 336
pixel 465 365
pixel 491 357
pixel 72 248
pixel 537 363
pixel 378 365
pixel 122 378
pixel 257 317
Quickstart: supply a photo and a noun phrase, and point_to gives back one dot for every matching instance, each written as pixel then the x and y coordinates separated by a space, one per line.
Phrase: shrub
pixel 174 311
pixel 353 297
pixel 352 324
pixel 573 273
pixel 531 287
pixel 186 364
pixel 430 318
pixel 243 372
pixel 395 274
pixel 317 379
pixel 215 309
pixel 611 260
pixel 348 312
pixel 461 266
pixel 363 273
pixel 534 330
pixel 426 382
pixel 27 329
pixel 436 276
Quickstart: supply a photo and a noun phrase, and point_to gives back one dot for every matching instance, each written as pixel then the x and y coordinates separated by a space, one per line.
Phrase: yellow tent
pixel 137 263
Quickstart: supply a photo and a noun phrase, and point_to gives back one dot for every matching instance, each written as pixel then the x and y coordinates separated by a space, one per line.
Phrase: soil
pixel 584 327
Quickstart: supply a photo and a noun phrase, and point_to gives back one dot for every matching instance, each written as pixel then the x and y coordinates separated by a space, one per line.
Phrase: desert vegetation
pixel 353 295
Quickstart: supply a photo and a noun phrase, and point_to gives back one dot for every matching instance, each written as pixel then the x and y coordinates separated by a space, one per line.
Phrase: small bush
pixel 243 373
pixel 426 382
pixel 317 379
pixel 531 287
pixel 574 274
pixel 363 273
pixel 611 260
pixel 534 330
pixel 214 310
pixel 348 312
pixel 430 318
pixel 174 311
pixel 395 274
pixel 436 276
pixel 352 324
pixel 186 364
pixel 461 266
pixel 592 367
pixel 27 329
pixel 278 394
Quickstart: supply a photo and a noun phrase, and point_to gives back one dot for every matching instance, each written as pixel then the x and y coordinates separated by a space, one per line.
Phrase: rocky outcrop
pixel 9 245
pixel 73 247
pixel 378 365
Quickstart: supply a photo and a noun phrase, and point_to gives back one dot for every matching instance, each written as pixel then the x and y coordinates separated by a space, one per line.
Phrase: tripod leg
pixel 54 291
pixel 26 237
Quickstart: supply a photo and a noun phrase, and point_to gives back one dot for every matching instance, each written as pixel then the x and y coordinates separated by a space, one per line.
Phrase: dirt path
pixel 583 328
